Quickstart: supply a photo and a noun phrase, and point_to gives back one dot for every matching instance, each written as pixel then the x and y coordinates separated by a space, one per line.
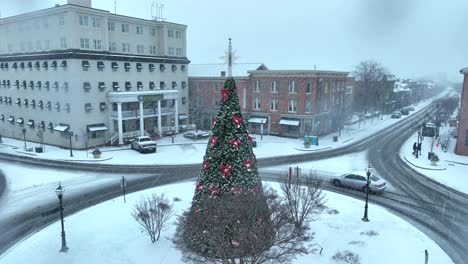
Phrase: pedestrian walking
pixel 415 148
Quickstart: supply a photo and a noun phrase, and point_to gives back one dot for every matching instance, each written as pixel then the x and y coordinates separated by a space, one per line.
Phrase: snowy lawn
pixel 194 150
pixel 107 233
pixel 449 170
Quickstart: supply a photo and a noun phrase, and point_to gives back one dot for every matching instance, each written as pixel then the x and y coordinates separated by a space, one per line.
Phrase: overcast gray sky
pixel 411 38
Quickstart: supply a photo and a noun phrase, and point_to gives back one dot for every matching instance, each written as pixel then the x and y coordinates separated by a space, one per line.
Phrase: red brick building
pixel 284 102
pixel 462 139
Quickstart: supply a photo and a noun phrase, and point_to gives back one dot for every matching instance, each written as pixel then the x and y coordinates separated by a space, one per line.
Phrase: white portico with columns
pixel 136 113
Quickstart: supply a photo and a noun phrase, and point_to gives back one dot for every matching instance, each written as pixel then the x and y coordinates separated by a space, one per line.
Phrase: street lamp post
pixel 261 131
pixel 368 172
pixel 59 191
pixel 70 134
pixel 419 138
pixel 23 131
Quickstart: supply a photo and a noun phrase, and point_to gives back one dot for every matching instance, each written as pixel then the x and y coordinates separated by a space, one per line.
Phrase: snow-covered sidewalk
pixel 193 151
pixel 450 170
pixel 107 233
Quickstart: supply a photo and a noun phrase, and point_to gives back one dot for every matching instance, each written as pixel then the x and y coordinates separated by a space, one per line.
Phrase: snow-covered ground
pixel 451 170
pixel 107 233
pixel 193 151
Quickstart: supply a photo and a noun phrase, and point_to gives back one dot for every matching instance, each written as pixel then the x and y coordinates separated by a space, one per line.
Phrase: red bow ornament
pixel 237 121
pixel 226 169
pixel 213 141
pixel 248 165
pixel 225 94
pixel 236 143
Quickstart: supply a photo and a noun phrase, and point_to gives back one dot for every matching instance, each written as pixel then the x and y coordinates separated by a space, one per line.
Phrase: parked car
pixel 410 108
pixel 453 132
pixel 197 134
pixel 404 111
pixel 358 181
pixel 396 114
pixel 144 144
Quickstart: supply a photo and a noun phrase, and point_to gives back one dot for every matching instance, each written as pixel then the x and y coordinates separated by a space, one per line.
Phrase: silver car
pixel 357 180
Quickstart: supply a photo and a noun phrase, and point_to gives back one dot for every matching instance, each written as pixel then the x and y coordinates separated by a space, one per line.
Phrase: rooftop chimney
pixel 85 3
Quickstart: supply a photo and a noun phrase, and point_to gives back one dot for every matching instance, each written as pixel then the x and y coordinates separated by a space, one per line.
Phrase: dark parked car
pixel 396 114
pixel 404 111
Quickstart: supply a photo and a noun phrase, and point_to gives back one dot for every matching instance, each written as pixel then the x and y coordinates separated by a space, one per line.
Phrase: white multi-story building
pixel 101 76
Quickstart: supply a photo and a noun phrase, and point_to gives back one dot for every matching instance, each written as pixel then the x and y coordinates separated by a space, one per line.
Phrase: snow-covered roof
pixel 214 70
pixel 464 70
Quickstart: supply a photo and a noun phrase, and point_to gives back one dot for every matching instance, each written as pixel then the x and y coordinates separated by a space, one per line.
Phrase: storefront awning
pixel 258 120
pixel 289 122
pixel 97 127
pixel 61 128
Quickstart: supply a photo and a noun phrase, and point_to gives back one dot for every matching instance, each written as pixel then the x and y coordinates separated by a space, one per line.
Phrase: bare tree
pixel 304 198
pixel 239 228
pixel 371 88
pixel 153 213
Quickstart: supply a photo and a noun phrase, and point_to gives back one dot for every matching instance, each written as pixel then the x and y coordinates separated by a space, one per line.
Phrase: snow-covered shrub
pixel 346 257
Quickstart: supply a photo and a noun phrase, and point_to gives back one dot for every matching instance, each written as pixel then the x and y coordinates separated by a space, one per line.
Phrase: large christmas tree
pixel 229 217
pixel 229 164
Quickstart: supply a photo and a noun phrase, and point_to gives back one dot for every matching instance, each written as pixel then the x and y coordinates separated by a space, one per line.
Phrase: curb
pixel 424 168
pixel 312 149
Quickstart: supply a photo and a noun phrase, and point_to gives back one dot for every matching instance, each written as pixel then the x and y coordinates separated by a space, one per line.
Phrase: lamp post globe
pixel 59 191
pixel 368 172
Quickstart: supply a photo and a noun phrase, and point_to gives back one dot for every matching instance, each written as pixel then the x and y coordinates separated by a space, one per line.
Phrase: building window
pixel 61 20
pixel 174 85
pixel 88 107
pixel 153 31
pixel 112 46
pixel 274 86
pixel 162 67
pixel 139 67
pixel 308 106
pixel 111 26
pixel 162 85
pixel 45 23
pixel 170 33
pixel 128 86
pixel 292 106
pixel 309 87
pixel 38 45
pixel 292 87
pixel 274 104
pixel 257 104
pixel 139 86
pixel 139 30
pixel 171 51
pixel 84 43
pixel 115 66
pixel 127 66
pixel 140 49
pixel 174 68
pixel 179 52
pixel 466 138
pixel 151 67
pixel 83 21
pixel 178 35
pixel 257 86
pixel 97 44
pixel 152 50
pixel 57 107
pixel 63 43
pixel 100 65
pixel 125 47
pixel 152 85
pixel 86 86
pixel 125 28
pixel 115 87
pixel 85 65
pixel 102 106
pixel 67 107
pixel 46 44
pixel 326 87
pixel 97 21
pixel 102 86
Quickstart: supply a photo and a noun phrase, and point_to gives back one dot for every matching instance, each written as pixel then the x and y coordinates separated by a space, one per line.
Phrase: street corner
pixel 425 164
